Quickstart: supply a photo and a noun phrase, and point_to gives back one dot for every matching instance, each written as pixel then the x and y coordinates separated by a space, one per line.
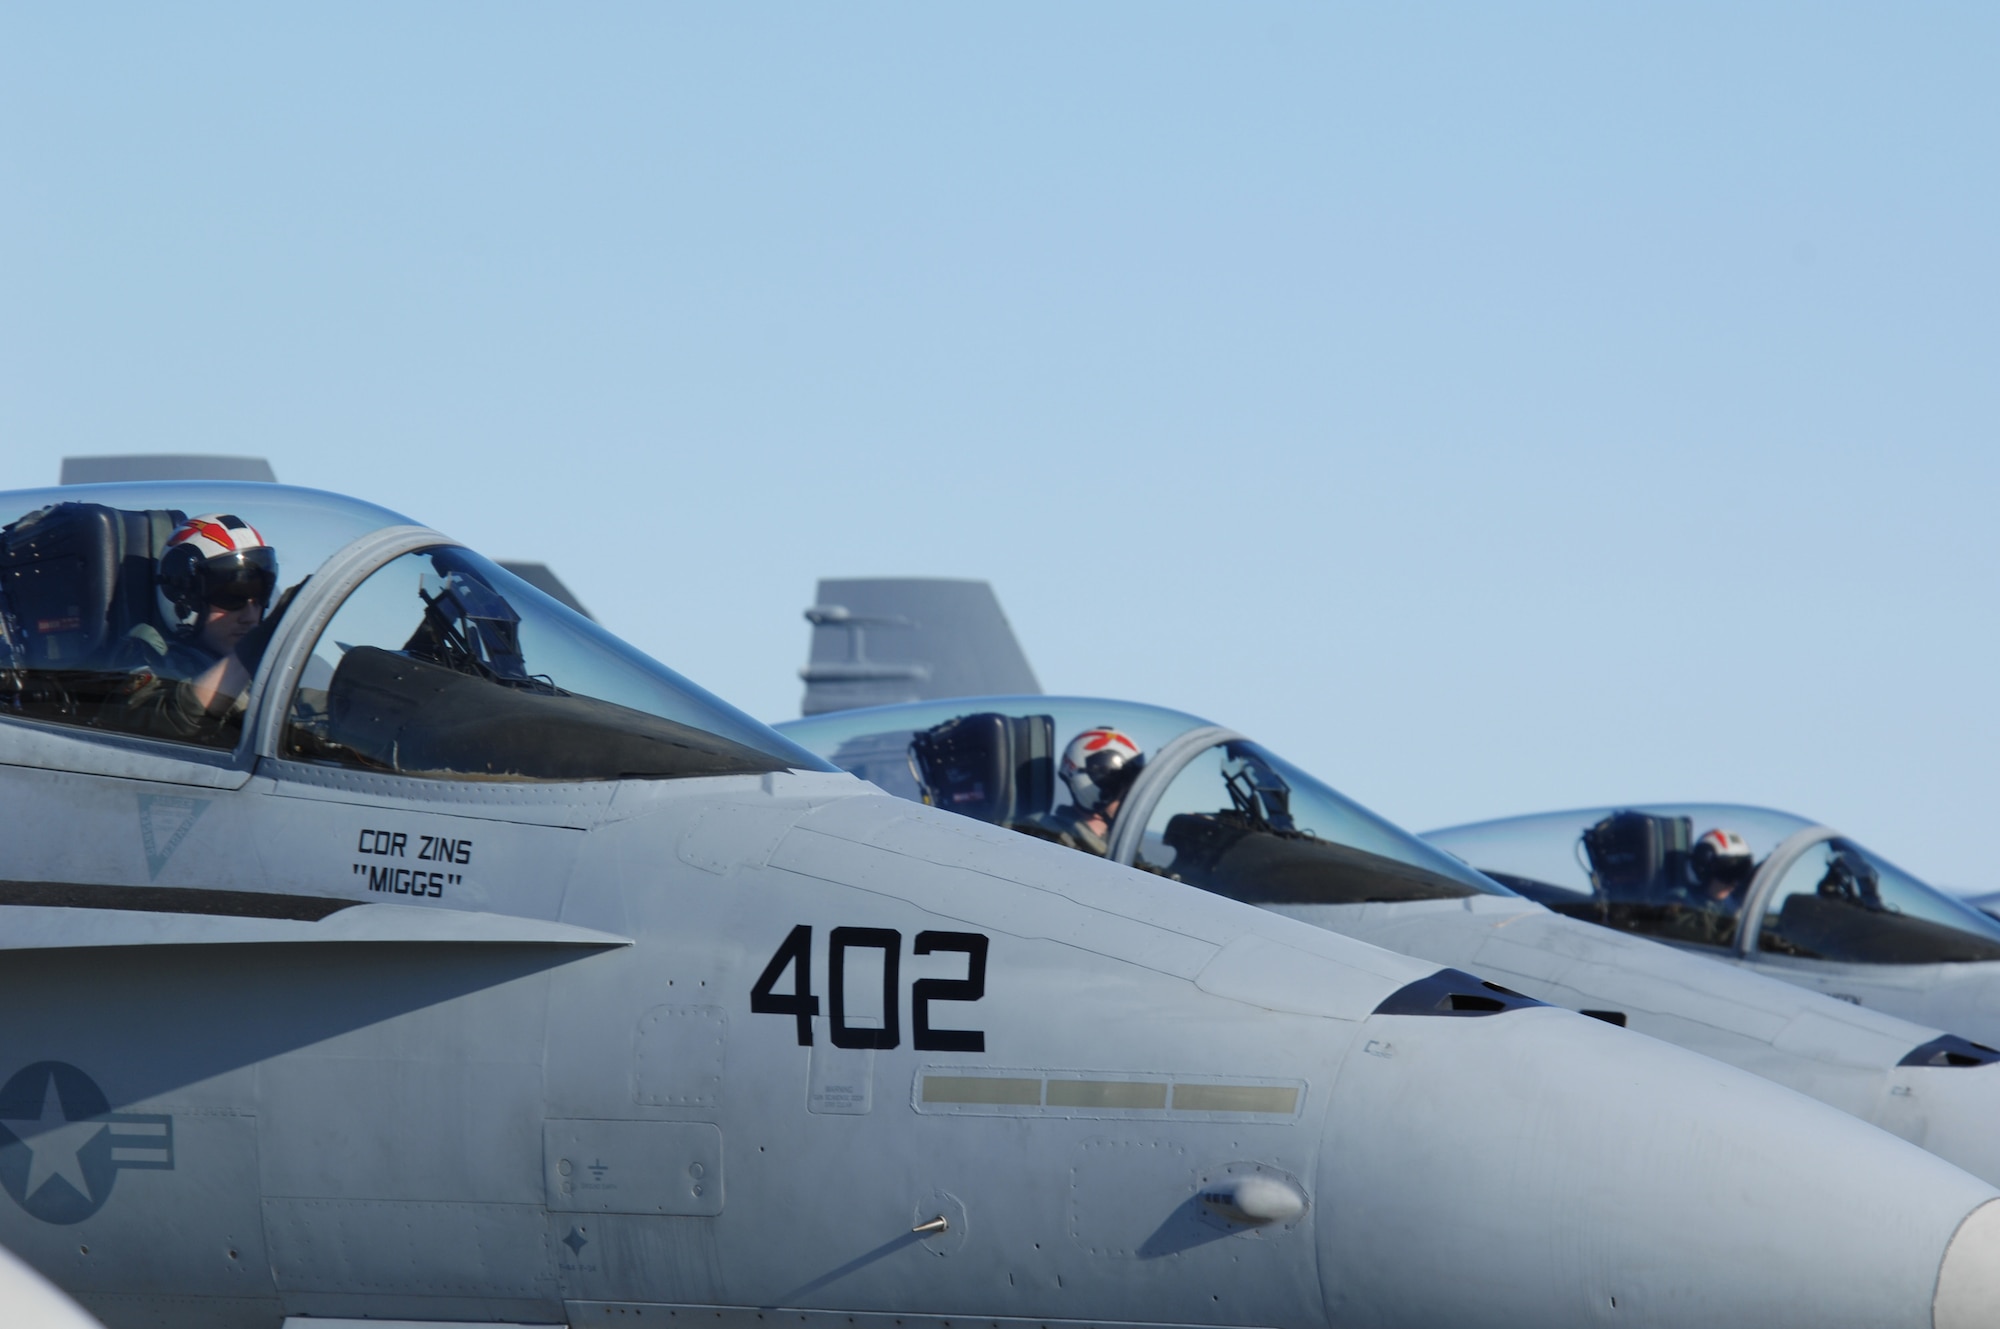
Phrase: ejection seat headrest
pixel 76 577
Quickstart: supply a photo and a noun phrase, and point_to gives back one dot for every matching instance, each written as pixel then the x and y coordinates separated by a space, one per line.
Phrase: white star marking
pixel 55 1141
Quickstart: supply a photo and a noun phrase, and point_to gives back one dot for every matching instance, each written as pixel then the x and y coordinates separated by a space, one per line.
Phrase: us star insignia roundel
pixel 61 1146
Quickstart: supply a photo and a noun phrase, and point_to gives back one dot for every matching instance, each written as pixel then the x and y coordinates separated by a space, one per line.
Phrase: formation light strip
pixel 1066 1093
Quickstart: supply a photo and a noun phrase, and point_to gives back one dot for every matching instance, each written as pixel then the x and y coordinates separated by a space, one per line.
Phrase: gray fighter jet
pixel 433 955
pixel 1813 907
pixel 1207 806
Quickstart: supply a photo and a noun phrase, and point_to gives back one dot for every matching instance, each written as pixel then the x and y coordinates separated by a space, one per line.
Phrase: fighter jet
pixel 1188 800
pixel 1808 906
pixel 421 951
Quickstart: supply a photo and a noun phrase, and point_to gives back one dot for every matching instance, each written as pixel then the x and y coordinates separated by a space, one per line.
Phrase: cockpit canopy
pixel 1207 807
pixel 81 622
pixel 443 665
pixel 1813 895
pixel 427 661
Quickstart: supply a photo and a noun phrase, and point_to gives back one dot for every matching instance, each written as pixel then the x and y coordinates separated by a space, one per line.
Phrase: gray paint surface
pixel 881 640
pixel 380 1121
pixel 164 466
pixel 1845 1054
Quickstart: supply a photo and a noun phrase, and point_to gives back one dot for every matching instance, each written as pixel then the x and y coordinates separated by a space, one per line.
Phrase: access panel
pixel 633 1167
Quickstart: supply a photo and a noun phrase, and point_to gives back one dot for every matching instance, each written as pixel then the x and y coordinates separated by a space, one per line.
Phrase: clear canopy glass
pixel 84 637
pixel 1542 856
pixel 438 664
pixel 1635 868
pixel 1241 821
pixel 1284 837
pixel 444 665
pixel 875 743
pixel 305 526
pixel 1839 901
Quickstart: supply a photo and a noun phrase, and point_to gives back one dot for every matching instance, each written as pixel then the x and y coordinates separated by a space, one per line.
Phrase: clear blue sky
pixel 1492 408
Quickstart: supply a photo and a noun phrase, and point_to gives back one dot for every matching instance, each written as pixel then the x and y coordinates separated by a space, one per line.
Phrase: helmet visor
pixel 231 581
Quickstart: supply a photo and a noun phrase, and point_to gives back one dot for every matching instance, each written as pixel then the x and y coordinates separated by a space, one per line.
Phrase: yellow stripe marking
pixel 1236 1098
pixel 984 1089
pixel 1106 1094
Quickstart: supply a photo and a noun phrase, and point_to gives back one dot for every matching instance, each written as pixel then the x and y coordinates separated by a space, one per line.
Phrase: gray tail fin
pixel 543 578
pixel 163 466
pixel 877 641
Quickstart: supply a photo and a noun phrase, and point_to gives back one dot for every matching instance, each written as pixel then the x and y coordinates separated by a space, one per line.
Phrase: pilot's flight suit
pixel 1067 827
pixel 157 698
pixel 1701 919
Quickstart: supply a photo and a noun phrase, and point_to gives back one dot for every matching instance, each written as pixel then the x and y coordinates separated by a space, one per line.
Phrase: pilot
pixel 214 582
pixel 1720 866
pixel 1099 766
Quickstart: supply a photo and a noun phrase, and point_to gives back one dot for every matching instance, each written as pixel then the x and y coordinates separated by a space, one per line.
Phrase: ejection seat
pixel 1637 858
pixel 75 579
pixel 996 768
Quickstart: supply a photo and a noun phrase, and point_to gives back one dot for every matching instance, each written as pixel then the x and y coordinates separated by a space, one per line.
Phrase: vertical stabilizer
pixel 164 466
pixel 877 641
pixel 543 578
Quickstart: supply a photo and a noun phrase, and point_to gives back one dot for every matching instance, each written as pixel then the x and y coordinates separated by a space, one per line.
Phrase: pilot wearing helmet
pixel 214 582
pixel 1099 766
pixel 1719 870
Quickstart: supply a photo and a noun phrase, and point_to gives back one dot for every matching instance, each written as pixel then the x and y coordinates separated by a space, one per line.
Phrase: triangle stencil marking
pixel 164 821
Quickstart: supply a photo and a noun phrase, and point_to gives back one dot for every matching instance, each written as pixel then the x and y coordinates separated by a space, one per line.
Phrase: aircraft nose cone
pixel 1968 1287
pixel 1525 1168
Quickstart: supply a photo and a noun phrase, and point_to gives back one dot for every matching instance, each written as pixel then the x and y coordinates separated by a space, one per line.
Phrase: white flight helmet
pixel 214 559
pixel 1722 856
pixel 1099 765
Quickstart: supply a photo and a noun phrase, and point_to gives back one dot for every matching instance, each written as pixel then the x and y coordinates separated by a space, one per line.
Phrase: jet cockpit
pixel 439 664
pixel 1814 907
pixel 1208 806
